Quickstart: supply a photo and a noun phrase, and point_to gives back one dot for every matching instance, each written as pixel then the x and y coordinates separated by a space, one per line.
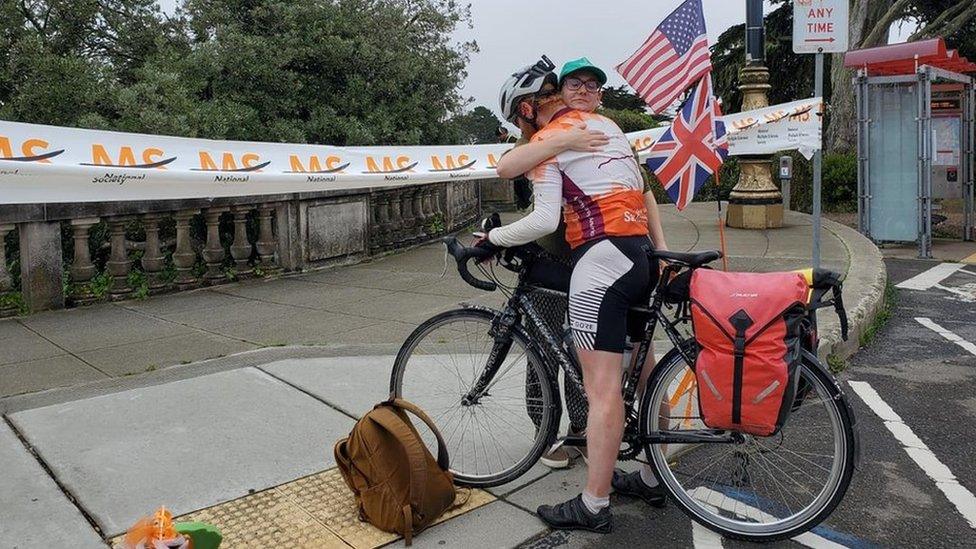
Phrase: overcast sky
pixel 514 33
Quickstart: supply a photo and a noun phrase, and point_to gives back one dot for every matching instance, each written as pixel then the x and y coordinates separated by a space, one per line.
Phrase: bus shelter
pixel 915 112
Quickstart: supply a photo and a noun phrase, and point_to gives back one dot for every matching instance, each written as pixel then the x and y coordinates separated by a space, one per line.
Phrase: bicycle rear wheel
pixel 496 437
pixel 765 488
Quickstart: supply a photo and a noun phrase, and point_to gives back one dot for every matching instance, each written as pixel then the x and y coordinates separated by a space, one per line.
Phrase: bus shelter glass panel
pixel 894 170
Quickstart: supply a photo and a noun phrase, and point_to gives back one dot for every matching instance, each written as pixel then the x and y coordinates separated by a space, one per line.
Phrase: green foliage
pixel 477 126
pixel 14 300
pixel 139 283
pixel 629 121
pixel 884 315
pixel 836 364
pixel 436 225
pixel 343 72
pixel 622 99
pixel 839 179
pixel 790 75
pixel 99 285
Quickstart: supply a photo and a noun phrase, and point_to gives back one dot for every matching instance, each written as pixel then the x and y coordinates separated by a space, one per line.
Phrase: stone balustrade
pixel 123 250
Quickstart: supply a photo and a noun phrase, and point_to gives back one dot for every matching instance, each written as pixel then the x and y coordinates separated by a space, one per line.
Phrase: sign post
pixel 819 26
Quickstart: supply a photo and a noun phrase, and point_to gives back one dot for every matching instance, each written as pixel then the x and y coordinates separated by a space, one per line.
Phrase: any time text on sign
pixel 820 25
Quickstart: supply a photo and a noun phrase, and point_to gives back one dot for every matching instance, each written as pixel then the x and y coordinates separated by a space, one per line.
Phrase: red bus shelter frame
pixel 922 65
pixel 906 58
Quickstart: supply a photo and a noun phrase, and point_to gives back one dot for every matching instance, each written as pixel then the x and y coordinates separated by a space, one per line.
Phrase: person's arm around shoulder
pixel 521 159
pixel 543 219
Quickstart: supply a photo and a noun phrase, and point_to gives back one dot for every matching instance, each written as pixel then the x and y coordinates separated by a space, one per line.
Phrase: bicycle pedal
pixel 573 440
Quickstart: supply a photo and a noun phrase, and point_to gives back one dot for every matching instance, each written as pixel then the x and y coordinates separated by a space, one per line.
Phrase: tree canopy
pixel 478 126
pixel 791 75
pixel 346 72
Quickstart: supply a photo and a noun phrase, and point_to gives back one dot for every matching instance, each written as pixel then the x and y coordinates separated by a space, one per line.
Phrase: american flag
pixel 672 59
pixel 693 148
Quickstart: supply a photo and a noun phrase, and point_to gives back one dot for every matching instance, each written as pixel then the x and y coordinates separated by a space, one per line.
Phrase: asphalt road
pixel 924 385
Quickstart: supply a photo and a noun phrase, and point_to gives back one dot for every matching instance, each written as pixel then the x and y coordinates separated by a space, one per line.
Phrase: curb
pixel 865 281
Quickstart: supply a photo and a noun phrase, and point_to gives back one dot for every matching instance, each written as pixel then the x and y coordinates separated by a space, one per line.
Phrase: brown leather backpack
pixel 399 486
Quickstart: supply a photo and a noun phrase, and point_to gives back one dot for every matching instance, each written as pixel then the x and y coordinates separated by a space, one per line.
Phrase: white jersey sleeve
pixel 544 217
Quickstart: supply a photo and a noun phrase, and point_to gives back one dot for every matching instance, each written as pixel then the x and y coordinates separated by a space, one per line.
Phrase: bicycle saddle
pixel 693 259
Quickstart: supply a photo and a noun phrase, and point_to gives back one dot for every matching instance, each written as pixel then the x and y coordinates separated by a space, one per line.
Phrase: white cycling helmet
pixel 525 82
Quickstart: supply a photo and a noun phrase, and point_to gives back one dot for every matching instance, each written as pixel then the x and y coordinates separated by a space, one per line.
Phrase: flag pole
pixel 721 228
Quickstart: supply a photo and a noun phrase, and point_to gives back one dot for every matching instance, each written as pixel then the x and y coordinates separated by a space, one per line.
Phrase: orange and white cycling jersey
pixel 601 193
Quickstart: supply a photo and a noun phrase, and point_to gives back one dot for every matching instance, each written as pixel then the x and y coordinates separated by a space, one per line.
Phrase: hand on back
pixel 580 139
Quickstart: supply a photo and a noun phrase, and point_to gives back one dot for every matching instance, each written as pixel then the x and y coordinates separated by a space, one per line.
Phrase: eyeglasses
pixel 575 83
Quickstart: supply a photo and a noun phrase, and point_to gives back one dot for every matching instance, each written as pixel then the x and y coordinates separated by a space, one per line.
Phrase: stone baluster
pixel 213 250
pixel 396 220
pixel 184 257
pixel 429 191
pixel 385 225
pixel 82 269
pixel 266 241
pixel 437 205
pixel 406 218
pixel 6 283
pixel 420 220
pixel 374 224
pixel 153 261
pixel 118 266
pixel 425 199
pixel 240 250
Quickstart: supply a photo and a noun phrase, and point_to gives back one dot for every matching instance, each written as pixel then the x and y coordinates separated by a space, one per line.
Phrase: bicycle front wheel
pixel 764 488
pixel 494 431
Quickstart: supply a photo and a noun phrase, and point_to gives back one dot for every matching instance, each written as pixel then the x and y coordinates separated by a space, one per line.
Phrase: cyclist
pixel 607 229
pixel 576 94
pixel 531 83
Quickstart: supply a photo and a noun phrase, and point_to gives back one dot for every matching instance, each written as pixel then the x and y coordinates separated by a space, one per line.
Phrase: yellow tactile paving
pixel 971 260
pixel 315 511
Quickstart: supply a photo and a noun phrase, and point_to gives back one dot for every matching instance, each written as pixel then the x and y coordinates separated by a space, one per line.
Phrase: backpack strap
pixel 443 460
pixel 384 415
pixel 407 525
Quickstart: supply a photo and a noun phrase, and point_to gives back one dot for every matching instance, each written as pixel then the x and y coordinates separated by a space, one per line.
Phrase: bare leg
pixel 605 421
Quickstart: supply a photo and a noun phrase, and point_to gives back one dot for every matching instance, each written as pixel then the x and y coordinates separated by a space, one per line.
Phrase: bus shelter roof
pixel 905 58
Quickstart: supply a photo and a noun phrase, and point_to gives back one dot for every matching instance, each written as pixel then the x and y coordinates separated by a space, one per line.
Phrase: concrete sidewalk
pixel 192 400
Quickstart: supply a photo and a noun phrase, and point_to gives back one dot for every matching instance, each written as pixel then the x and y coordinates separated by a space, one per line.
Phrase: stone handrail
pixel 271 234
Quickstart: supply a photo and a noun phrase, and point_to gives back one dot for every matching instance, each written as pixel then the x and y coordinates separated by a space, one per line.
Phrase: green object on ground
pixel 204 536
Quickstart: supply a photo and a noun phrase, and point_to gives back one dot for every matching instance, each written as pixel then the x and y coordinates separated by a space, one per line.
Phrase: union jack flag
pixel 693 148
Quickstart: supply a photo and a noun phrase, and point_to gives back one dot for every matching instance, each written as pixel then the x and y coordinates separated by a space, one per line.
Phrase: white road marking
pixel 966 292
pixel 931 277
pixel 927 322
pixel 703 538
pixel 704 495
pixel 957 494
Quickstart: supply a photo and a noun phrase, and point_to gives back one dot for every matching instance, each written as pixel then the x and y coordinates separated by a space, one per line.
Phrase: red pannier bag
pixel 748 327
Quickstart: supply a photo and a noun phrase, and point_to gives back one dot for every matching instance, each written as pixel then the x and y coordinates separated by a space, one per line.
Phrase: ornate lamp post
pixel 755 202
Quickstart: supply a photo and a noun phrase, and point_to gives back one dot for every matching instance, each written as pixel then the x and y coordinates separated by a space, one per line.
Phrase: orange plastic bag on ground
pixel 155 532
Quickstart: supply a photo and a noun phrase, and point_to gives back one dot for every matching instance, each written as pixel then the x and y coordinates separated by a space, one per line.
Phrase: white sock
pixel 647 475
pixel 594 504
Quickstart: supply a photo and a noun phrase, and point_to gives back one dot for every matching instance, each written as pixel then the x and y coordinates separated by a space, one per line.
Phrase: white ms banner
pixel 53 164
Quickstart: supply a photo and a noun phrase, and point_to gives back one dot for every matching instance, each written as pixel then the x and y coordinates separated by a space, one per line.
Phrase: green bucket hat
pixel 581 64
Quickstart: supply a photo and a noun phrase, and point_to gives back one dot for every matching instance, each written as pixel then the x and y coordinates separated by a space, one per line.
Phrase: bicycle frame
pixel 520 305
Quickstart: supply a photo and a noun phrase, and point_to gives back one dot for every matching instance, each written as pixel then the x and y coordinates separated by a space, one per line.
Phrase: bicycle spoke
pixel 764 485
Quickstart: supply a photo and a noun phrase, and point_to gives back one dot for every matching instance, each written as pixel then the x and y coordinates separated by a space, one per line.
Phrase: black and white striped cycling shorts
pixel 610 275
